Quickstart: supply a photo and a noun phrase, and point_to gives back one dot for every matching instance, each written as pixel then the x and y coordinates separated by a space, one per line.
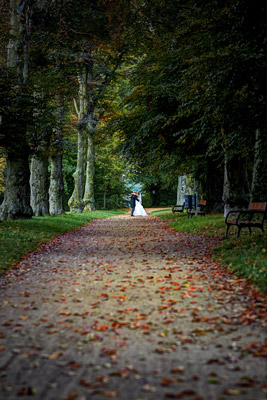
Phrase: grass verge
pixel 19 237
pixel 246 256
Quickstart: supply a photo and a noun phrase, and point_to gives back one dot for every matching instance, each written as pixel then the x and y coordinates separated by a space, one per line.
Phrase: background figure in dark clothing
pixel 133 198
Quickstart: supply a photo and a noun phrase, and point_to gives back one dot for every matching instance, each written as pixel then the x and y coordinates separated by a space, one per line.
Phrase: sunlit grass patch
pixel 246 256
pixel 21 236
pixel 211 224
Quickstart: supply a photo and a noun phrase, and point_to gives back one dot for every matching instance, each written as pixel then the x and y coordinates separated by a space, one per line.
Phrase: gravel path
pixel 127 308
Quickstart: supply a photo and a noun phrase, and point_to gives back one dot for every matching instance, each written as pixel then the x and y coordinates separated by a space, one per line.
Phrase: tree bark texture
pixel 18 51
pixel 181 186
pixel 235 185
pixel 56 188
pixel 89 197
pixel 39 182
pixel 259 176
pixel 16 203
pixel 76 200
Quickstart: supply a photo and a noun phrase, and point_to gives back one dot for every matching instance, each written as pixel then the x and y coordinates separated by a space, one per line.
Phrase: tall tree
pixel 56 188
pixel 76 200
pixel 16 202
pixel 197 92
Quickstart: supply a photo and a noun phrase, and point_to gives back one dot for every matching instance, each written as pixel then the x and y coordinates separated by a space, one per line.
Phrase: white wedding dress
pixel 139 210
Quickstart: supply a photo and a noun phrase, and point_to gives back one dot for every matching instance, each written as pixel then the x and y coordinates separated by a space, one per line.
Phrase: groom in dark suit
pixel 133 198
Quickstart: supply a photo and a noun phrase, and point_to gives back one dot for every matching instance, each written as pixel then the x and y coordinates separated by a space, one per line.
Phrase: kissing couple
pixel 137 210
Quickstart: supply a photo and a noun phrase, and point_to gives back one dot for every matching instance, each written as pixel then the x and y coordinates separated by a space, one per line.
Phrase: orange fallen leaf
pixel 54 356
pixel 102 328
pixel 110 394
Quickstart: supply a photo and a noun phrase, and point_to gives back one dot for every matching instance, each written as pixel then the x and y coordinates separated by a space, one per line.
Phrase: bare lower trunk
pixel 56 188
pixel 235 185
pixel 89 198
pixel 181 189
pixel 226 189
pixel 16 202
pixel 39 183
pixel 76 201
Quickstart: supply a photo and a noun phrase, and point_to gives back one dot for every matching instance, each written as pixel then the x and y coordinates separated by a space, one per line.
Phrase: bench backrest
pixel 258 206
pixel 203 202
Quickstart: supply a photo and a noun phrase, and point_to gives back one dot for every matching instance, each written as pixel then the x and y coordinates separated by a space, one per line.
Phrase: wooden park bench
pixel 200 209
pixel 252 218
pixel 178 208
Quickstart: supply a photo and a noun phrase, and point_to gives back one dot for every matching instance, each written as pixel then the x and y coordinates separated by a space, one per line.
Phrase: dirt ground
pixel 127 308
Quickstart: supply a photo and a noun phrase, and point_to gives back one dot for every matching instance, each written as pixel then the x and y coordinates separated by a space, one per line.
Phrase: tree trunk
pixel 16 203
pixel 212 186
pixel 105 196
pixel 17 49
pixel 235 185
pixel 39 182
pixel 89 198
pixel 259 176
pixel 181 189
pixel 155 194
pixel 56 188
pixel 226 189
pixel 76 201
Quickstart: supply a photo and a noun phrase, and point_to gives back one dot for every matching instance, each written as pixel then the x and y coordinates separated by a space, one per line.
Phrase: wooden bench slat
pixel 178 208
pixel 258 206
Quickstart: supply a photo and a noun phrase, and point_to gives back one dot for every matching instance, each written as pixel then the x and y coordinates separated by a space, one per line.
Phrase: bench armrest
pixel 237 212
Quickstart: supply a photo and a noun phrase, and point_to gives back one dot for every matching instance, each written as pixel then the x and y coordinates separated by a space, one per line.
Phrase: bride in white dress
pixel 139 210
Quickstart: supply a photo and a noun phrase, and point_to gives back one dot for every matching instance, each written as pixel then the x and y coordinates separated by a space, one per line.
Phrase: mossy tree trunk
pixel 39 182
pixel 16 203
pixel 88 99
pixel 56 188
pixel 89 197
pixel 76 200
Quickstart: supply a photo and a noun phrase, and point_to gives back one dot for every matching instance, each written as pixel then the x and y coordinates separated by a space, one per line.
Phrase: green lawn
pixel 21 236
pixel 246 256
